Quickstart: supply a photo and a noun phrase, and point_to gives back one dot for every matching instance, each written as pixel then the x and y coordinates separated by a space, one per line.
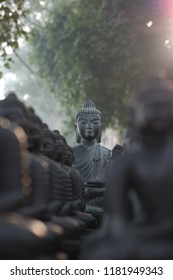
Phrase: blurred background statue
pixel 147 170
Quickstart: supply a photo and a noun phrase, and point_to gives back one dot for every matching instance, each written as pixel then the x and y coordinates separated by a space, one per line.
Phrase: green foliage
pixel 12 27
pixel 95 49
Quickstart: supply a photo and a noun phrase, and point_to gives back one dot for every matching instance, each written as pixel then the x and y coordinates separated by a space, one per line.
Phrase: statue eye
pixel 83 122
pixel 34 132
pixel 47 145
pixel 96 122
pixel 14 116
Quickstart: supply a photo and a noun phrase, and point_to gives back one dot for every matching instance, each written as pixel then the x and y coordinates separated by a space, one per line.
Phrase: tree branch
pixel 26 65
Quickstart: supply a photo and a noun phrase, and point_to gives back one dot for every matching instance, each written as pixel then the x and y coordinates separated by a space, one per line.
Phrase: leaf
pixel 7 65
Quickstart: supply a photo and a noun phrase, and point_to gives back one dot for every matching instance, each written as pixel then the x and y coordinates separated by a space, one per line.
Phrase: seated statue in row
pixel 21 237
pixel 14 169
pixel 69 156
pixel 16 112
pixel 48 180
pixel 66 190
pixel 91 158
pixel 37 187
pixel 76 180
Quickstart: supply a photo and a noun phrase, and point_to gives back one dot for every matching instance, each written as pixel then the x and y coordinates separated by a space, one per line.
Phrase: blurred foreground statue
pixel 91 158
pixel 147 169
pixel 15 177
pixel 16 113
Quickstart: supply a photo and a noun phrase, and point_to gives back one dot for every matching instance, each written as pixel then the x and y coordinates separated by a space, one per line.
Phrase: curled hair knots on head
pixel 48 133
pixel 56 132
pixel 88 108
pixel 60 137
pixel 12 101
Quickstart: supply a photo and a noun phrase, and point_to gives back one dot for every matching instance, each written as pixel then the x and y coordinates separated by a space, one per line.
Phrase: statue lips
pixel 89 130
pixel 59 149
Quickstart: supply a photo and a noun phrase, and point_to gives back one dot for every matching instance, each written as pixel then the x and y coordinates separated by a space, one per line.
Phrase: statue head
pixel 56 132
pixel 34 131
pixel 88 123
pixel 48 144
pixel 151 116
pixel 69 156
pixel 60 147
pixel 13 109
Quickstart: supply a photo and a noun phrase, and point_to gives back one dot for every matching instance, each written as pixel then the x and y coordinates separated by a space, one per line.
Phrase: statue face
pixel 68 158
pixel 48 147
pixel 34 136
pixel 14 114
pixel 60 150
pixel 89 126
pixel 155 125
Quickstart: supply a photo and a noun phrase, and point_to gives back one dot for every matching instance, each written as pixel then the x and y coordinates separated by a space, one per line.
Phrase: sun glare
pixel 149 23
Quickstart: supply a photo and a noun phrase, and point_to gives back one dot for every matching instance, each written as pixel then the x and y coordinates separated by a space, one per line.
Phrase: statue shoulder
pixel 105 151
pixel 78 149
pixel 75 172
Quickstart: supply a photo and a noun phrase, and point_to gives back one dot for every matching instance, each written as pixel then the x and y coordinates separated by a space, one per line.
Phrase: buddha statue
pixel 16 112
pixel 89 155
pixel 34 131
pixel 38 166
pixel 56 132
pixel 48 144
pixel 69 156
pixel 75 177
pixel 91 158
pixel 146 169
pixel 21 237
pixel 60 147
pixel 15 177
pixel 24 179
pixel 65 157
pixel 61 193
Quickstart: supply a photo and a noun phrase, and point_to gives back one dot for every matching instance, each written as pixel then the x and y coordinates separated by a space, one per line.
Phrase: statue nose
pixel 41 149
pixel 88 125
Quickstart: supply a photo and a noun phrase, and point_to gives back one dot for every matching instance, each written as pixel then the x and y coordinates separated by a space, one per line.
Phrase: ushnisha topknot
pixel 12 100
pixel 60 137
pixel 48 133
pixel 56 132
pixel 88 108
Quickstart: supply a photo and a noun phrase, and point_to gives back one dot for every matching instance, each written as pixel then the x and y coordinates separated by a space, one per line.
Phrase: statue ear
pixel 78 137
pixel 100 134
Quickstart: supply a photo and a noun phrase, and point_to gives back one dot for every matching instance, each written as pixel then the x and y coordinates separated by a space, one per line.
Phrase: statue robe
pixel 91 161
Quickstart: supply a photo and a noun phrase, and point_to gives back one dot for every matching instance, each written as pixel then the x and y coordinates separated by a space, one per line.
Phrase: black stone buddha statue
pixel 89 155
pixel 91 158
pixel 61 192
pixel 75 177
pixel 15 177
pixel 60 147
pixel 17 113
pixel 14 110
pixel 48 144
pixel 34 131
pixel 69 156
